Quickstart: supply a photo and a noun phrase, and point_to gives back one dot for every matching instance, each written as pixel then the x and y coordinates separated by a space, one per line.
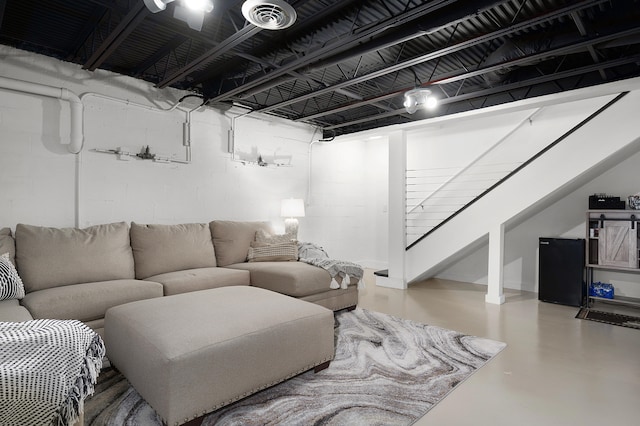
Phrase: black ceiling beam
pixel 400 35
pixel 132 19
pixel 281 38
pixel 536 57
pixel 501 89
pixel 173 44
pixel 3 4
pixel 456 76
pixel 440 53
pixel 583 32
pixel 229 43
pixel 90 27
pixel 340 45
pixel 226 45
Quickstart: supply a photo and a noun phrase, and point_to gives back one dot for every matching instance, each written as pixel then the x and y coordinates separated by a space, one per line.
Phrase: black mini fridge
pixel 561 271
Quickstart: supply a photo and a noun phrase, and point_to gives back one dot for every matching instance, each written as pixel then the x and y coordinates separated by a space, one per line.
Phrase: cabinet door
pixel 617 244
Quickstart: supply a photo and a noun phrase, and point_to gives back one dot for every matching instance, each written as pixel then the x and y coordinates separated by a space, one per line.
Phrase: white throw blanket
pixel 315 255
pixel 47 369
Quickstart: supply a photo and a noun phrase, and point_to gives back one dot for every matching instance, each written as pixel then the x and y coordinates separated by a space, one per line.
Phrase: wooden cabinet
pixel 612 237
pixel 618 244
pixel 613 243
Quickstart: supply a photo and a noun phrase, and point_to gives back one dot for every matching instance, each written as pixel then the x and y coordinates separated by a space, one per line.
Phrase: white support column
pixel 495 290
pixel 397 216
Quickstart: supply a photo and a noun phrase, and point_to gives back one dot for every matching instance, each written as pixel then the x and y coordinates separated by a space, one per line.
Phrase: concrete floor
pixel 556 370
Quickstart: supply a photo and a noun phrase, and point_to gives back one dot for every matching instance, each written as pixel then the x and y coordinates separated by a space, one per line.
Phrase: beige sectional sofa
pixel 71 273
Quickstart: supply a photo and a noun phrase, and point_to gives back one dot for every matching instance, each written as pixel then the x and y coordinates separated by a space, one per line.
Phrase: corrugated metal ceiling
pixel 344 65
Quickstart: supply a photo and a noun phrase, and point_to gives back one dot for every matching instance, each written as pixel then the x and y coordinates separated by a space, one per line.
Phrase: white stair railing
pixel 435 194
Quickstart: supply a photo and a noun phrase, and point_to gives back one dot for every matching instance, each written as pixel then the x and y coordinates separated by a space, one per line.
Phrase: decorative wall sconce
pixel 419 97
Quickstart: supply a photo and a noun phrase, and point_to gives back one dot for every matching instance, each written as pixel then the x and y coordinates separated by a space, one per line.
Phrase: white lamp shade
pixel 292 207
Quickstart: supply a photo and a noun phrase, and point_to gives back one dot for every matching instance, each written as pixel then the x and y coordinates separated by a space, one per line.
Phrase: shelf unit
pixel 613 243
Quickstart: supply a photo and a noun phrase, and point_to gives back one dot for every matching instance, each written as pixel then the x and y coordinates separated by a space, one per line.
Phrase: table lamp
pixel 290 209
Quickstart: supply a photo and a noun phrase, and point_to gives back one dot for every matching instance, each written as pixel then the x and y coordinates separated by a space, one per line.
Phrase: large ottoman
pixel 192 353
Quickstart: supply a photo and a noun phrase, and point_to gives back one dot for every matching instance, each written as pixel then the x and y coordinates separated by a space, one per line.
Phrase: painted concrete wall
pixel 40 175
pixel 345 202
pixel 347 198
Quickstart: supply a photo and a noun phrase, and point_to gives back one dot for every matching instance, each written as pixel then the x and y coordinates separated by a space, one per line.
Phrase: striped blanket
pixel 47 369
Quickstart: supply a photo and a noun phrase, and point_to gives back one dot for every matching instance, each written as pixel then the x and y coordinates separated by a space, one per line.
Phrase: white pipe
pixel 186 127
pixel 309 158
pixel 77 109
pixel 128 102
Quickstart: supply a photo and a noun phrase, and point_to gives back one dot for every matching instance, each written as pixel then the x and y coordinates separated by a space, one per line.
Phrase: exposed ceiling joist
pixel 344 65
pixel 340 45
pixel 502 89
pixel 486 38
pixel 117 36
pixel 245 33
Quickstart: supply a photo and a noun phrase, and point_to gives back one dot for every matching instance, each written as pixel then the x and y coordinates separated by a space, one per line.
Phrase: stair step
pixel 382 273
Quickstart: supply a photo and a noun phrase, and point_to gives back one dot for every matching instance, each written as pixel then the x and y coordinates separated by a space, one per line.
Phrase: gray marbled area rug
pixel 386 371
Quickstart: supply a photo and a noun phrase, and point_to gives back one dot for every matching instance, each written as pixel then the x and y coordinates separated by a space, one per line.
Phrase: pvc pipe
pixel 186 127
pixel 77 109
pixel 128 102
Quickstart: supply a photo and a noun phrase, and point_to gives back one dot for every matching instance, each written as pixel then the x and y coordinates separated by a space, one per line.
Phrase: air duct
pixel 77 109
pixel 269 14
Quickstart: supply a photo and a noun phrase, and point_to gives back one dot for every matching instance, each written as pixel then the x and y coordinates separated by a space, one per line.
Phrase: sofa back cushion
pixel 7 244
pixel 158 249
pixel 232 239
pixel 53 257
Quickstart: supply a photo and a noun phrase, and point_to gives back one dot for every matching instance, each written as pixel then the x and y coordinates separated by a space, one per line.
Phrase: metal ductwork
pixel 269 14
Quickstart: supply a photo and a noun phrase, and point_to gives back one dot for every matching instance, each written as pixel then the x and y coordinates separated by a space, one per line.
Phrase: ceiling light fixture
pixel 269 14
pixel 156 6
pixel 191 11
pixel 205 6
pixel 417 97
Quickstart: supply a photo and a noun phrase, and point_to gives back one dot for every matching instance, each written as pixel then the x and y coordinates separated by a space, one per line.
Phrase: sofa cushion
pixel 263 236
pixel 262 252
pixel 158 249
pixel 7 244
pixel 297 279
pixel 10 310
pixel 90 301
pixel 232 239
pixel 52 257
pixel 200 279
pixel 11 286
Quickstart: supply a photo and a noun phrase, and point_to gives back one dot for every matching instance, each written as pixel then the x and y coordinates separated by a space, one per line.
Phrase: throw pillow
pixel 263 236
pixel 11 286
pixel 273 253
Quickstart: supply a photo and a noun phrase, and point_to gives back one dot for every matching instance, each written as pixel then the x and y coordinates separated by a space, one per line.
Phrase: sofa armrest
pixel 12 311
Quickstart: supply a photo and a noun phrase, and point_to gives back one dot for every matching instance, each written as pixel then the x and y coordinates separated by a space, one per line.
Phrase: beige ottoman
pixel 192 353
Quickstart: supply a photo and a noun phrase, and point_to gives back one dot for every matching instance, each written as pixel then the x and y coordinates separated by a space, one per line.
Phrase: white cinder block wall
pixel 345 188
pixel 347 197
pixel 39 176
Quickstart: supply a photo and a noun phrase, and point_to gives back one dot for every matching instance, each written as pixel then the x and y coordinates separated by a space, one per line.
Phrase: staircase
pixel 581 154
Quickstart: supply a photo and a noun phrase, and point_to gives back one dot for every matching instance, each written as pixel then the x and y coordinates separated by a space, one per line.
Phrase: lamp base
pixel 291 227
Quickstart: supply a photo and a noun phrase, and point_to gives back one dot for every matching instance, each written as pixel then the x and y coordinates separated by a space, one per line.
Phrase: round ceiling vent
pixel 269 14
